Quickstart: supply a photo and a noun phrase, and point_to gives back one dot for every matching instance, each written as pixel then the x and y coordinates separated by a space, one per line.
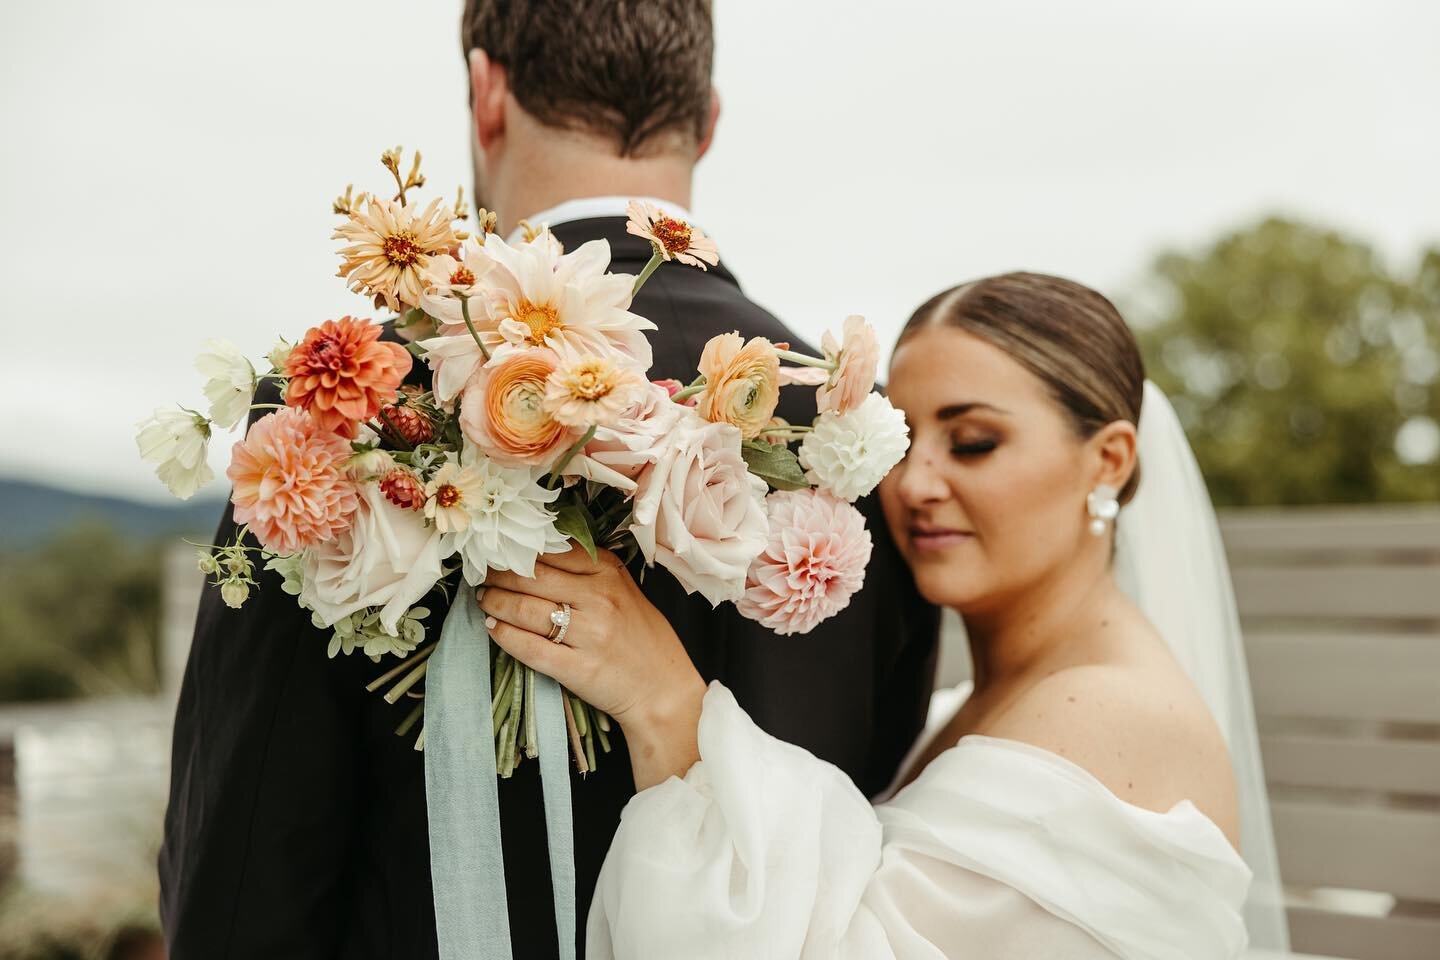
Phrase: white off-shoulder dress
pixel 998 850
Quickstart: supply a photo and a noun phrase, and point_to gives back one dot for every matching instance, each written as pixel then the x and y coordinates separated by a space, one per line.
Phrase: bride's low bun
pixel 1068 335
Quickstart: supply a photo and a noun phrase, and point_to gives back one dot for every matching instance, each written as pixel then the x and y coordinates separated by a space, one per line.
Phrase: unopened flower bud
pixel 234 593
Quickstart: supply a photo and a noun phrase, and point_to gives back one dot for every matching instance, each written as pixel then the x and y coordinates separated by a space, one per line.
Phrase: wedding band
pixel 560 621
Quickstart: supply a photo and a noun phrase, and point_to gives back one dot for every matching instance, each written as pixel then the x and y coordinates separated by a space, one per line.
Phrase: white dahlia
pixel 509 524
pixel 850 453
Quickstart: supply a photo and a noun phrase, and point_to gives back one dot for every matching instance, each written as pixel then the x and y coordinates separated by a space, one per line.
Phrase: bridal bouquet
pixel 541 428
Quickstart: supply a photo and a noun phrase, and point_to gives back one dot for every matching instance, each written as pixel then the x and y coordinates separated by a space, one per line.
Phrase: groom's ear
pixel 489 86
pixel 711 119
pixel 1115 447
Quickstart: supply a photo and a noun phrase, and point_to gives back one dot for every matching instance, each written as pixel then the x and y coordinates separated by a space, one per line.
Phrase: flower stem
pixel 655 260
pixel 267 406
pixel 469 325
pixel 805 361
pixel 575 743
pixel 697 387
pixel 564 461
pixel 411 678
pixel 394 672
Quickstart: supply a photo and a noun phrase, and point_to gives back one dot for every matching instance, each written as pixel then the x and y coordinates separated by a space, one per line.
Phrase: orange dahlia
pixel 342 373
pixel 290 482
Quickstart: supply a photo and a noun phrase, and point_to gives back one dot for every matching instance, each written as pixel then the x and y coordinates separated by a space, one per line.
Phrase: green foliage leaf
pixel 574 521
pixel 777 465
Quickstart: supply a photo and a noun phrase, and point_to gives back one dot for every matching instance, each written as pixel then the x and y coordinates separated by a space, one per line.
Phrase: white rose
pixel 388 558
pixel 698 511
pixel 229 383
pixel 176 441
pixel 618 453
pixel 849 453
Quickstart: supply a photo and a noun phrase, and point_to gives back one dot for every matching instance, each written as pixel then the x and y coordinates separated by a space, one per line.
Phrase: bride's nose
pixel 919 482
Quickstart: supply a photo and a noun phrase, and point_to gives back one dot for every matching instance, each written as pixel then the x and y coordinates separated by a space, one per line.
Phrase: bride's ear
pixel 1114 450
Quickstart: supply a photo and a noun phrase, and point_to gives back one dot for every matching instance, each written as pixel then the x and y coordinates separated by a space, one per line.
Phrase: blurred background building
pixel 1254 184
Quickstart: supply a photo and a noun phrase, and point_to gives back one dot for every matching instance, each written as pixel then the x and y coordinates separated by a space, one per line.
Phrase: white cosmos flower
pixel 508 521
pixel 176 441
pixel 849 453
pixel 229 381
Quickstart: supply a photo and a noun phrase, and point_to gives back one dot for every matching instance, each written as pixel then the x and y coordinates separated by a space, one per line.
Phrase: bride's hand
pixel 619 653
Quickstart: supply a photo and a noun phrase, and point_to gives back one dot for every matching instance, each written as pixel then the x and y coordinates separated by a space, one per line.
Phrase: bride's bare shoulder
pixel 1140 728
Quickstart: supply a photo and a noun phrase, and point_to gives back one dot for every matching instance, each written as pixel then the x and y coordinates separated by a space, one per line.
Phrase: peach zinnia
pixel 391 249
pixel 290 482
pixel 592 390
pixel 672 239
pixel 342 373
pixel 502 411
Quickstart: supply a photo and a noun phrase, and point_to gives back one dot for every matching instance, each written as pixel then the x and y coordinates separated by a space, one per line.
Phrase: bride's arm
pixel 619 655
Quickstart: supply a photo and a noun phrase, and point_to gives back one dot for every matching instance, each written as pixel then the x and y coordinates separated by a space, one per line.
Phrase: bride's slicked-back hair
pixel 1066 334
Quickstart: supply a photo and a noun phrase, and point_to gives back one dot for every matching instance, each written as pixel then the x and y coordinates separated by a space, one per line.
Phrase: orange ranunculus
pixel 742 382
pixel 342 373
pixel 502 411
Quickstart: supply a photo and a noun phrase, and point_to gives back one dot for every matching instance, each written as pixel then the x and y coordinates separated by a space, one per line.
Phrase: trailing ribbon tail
pixel 467 867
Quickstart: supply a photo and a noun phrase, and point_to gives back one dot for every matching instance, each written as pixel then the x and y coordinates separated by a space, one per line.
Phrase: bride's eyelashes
pixel 973 448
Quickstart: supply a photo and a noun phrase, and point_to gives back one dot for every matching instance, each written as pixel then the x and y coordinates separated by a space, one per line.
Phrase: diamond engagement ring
pixel 561 620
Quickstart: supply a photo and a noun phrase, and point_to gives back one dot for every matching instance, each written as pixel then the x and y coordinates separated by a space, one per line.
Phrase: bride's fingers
pixel 576 560
pixel 521 609
pixel 549 583
pixel 533 650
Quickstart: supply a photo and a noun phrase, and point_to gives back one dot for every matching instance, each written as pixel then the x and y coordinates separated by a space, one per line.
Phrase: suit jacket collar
pixel 628 253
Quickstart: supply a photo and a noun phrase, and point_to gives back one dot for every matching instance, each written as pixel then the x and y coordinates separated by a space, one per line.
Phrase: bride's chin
pixel 946 584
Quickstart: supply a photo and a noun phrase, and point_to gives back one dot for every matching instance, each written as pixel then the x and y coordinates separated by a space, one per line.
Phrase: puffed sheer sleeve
pixel 998 850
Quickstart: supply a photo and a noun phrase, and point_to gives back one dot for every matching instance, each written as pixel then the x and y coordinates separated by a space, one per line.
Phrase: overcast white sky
pixel 167 166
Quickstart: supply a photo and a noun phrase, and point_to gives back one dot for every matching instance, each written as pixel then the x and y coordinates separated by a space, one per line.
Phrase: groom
pixel 296 825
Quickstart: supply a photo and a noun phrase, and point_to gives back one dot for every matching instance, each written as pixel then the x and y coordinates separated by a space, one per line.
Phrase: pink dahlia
pixel 814 562
pixel 290 483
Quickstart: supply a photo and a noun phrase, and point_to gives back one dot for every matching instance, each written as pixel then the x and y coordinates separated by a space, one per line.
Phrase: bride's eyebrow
pixel 960 409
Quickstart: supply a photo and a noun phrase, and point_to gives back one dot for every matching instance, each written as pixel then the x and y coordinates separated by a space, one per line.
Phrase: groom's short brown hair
pixel 631 70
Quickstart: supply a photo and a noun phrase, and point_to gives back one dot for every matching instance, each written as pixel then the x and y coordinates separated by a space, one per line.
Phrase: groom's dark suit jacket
pixel 296 822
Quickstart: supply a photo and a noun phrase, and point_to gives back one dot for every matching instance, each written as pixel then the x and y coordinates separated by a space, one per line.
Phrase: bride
pixel 1091 794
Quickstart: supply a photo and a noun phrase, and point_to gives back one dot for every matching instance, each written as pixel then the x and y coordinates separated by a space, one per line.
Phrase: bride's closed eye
pixel 965 447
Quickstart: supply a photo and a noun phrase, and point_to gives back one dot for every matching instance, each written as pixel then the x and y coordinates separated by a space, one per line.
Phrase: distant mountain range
pixel 31 513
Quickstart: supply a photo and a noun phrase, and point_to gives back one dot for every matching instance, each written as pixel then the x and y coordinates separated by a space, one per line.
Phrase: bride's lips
pixel 937 538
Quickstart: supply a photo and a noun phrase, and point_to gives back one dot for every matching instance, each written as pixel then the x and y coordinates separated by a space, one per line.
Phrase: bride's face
pixel 990 499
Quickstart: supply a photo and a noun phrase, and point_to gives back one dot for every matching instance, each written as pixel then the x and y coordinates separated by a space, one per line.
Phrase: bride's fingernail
pixel 490 623
pixel 480 593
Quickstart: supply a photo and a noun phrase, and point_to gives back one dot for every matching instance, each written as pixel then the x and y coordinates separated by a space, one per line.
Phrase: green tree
pixel 79 615
pixel 1304 370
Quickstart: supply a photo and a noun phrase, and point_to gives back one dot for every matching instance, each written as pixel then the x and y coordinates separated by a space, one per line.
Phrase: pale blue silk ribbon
pixel 467 866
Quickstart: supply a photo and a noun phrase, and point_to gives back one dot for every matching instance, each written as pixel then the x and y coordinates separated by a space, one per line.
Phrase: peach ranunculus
pixel 342 373
pixel 811 567
pixel 502 411
pixel 742 382
pixel 289 482
pixel 620 451
pixel 857 360
pixel 699 512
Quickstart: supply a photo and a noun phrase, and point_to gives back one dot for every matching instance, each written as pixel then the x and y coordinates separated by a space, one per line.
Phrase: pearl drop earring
pixel 1102 507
